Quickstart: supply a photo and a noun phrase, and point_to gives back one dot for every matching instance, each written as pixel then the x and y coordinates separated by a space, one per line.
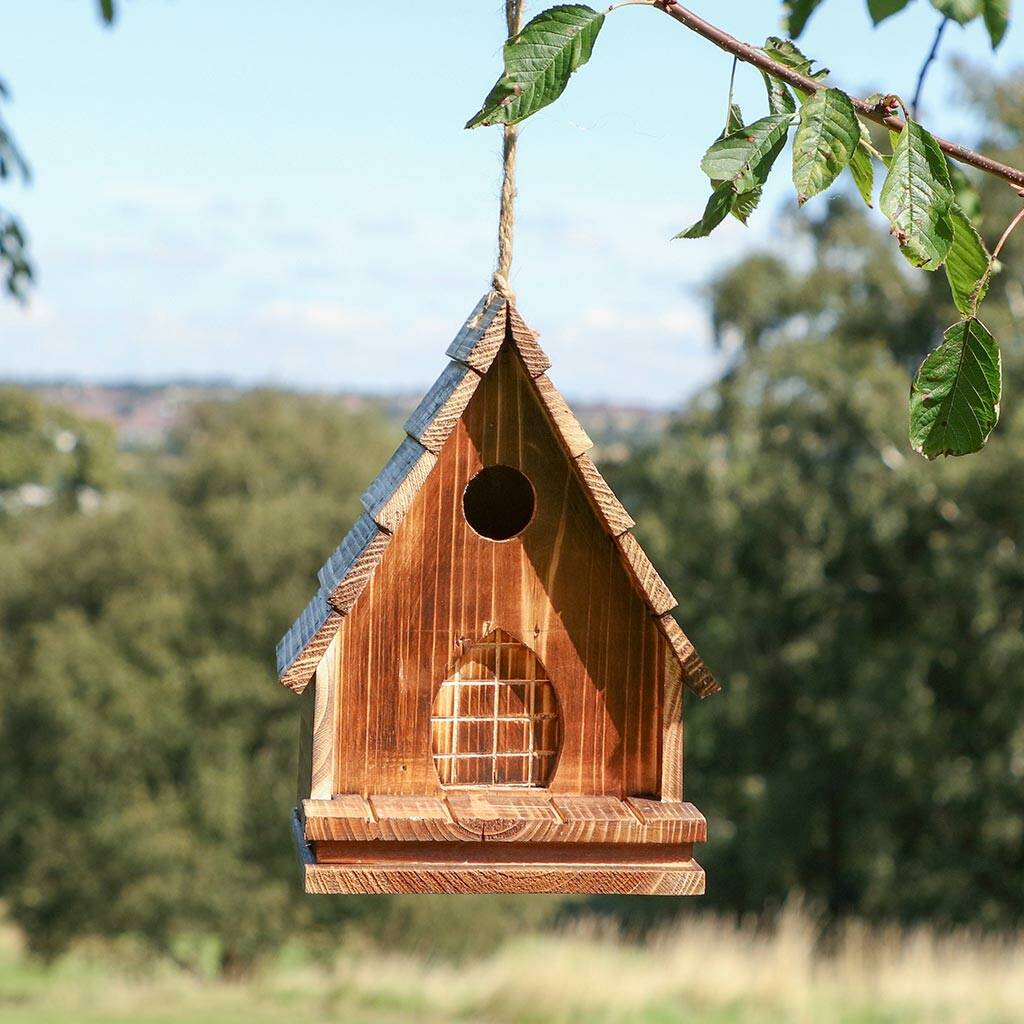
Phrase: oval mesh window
pixel 495 721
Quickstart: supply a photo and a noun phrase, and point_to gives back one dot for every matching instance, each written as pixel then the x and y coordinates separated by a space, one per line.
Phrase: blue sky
pixel 283 193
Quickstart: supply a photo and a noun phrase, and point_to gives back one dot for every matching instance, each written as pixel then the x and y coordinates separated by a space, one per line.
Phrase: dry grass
pixel 709 970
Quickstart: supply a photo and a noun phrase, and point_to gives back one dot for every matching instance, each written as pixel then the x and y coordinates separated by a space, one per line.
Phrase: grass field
pixel 708 972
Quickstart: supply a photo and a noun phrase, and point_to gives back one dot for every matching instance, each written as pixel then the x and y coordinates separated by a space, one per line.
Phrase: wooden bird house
pixel 492 679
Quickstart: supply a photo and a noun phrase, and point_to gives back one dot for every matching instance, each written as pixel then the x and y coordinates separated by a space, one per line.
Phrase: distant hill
pixel 143 415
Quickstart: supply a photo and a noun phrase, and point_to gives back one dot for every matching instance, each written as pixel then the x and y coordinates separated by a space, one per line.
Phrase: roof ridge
pixel 344 575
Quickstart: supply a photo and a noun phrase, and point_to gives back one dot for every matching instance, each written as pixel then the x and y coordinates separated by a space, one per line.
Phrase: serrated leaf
pixel 862 170
pixel 745 157
pixel 916 197
pixel 826 138
pixel 797 12
pixel 997 17
pixel 785 51
pixel 780 99
pixel 961 11
pixel 954 403
pixel 715 212
pixel 745 204
pixel 966 264
pixel 539 62
pixel 882 9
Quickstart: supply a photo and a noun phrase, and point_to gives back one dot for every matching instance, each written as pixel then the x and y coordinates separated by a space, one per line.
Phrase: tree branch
pixel 878 113
pixel 928 61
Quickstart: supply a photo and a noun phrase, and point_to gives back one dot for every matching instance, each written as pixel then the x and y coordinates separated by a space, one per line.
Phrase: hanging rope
pixel 507 217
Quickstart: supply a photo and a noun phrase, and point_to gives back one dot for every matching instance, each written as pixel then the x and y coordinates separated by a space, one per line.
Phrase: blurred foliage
pixel 51 451
pixel 864 609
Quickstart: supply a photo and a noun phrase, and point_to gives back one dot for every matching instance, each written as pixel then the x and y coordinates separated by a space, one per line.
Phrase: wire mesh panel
pixel 495 720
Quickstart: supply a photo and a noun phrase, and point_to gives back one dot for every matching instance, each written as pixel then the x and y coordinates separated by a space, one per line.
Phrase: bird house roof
pixel 346 572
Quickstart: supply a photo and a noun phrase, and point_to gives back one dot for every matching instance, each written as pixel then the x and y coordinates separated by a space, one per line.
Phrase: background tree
pixel 864 609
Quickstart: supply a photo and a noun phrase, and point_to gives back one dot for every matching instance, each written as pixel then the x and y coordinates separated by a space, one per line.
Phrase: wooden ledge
pixel 507 816
pixel 570 870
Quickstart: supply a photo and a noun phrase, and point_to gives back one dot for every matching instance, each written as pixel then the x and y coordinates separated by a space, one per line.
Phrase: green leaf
pixel 715 212
pixel 966 264
pixel 826 139
pixel 862 170
pixel 107 11
pixel 785 51
pixel 539 62
pixel 735 121
pixel 997 17
pixel 745 157
pixel 961 11
pixel 954 403
pixel 780 99
pixel 882 9
pixel 916 197
pixel 797 12
pixel 745 204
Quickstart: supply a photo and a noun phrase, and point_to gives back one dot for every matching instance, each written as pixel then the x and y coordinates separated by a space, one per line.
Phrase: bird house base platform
pixel 489 841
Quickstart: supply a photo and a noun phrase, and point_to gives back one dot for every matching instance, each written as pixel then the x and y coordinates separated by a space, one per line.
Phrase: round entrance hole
pixel 498 502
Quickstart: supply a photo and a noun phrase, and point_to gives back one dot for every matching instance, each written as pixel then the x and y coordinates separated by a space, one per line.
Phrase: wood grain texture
pixel 647 578
pixel 304 780
pixel 351 586
pixel 324 725
pixel 692 824
pixel 610 510
pixel 503 854
pixel 434 418
pixel 501 816
pixel 672 732
pixel 483 334
pixel 574 438
pixel 388 498
pixel 681 879
pixel 695 673
pixel 525 340
pixel 301 670
pixel 559 587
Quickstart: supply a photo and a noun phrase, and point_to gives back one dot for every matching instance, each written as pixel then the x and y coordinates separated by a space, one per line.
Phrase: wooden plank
pixel 592 808
pixel 434 418
pixel 324 724
pixel 685 878
pixel 577 819
pixel 304 780
pixel 351 818
pixel 672 731
pixel 610 510
pixel 695 672
pixel 501 815
pixel 653 812
pixel 525 340
pixel 344 806
pixel 569 429
pixel 482 335
pixel 505 854
pixel 388 498
pixel 412 808
pixel 646 577
pixel 349 589
pixel 301 670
